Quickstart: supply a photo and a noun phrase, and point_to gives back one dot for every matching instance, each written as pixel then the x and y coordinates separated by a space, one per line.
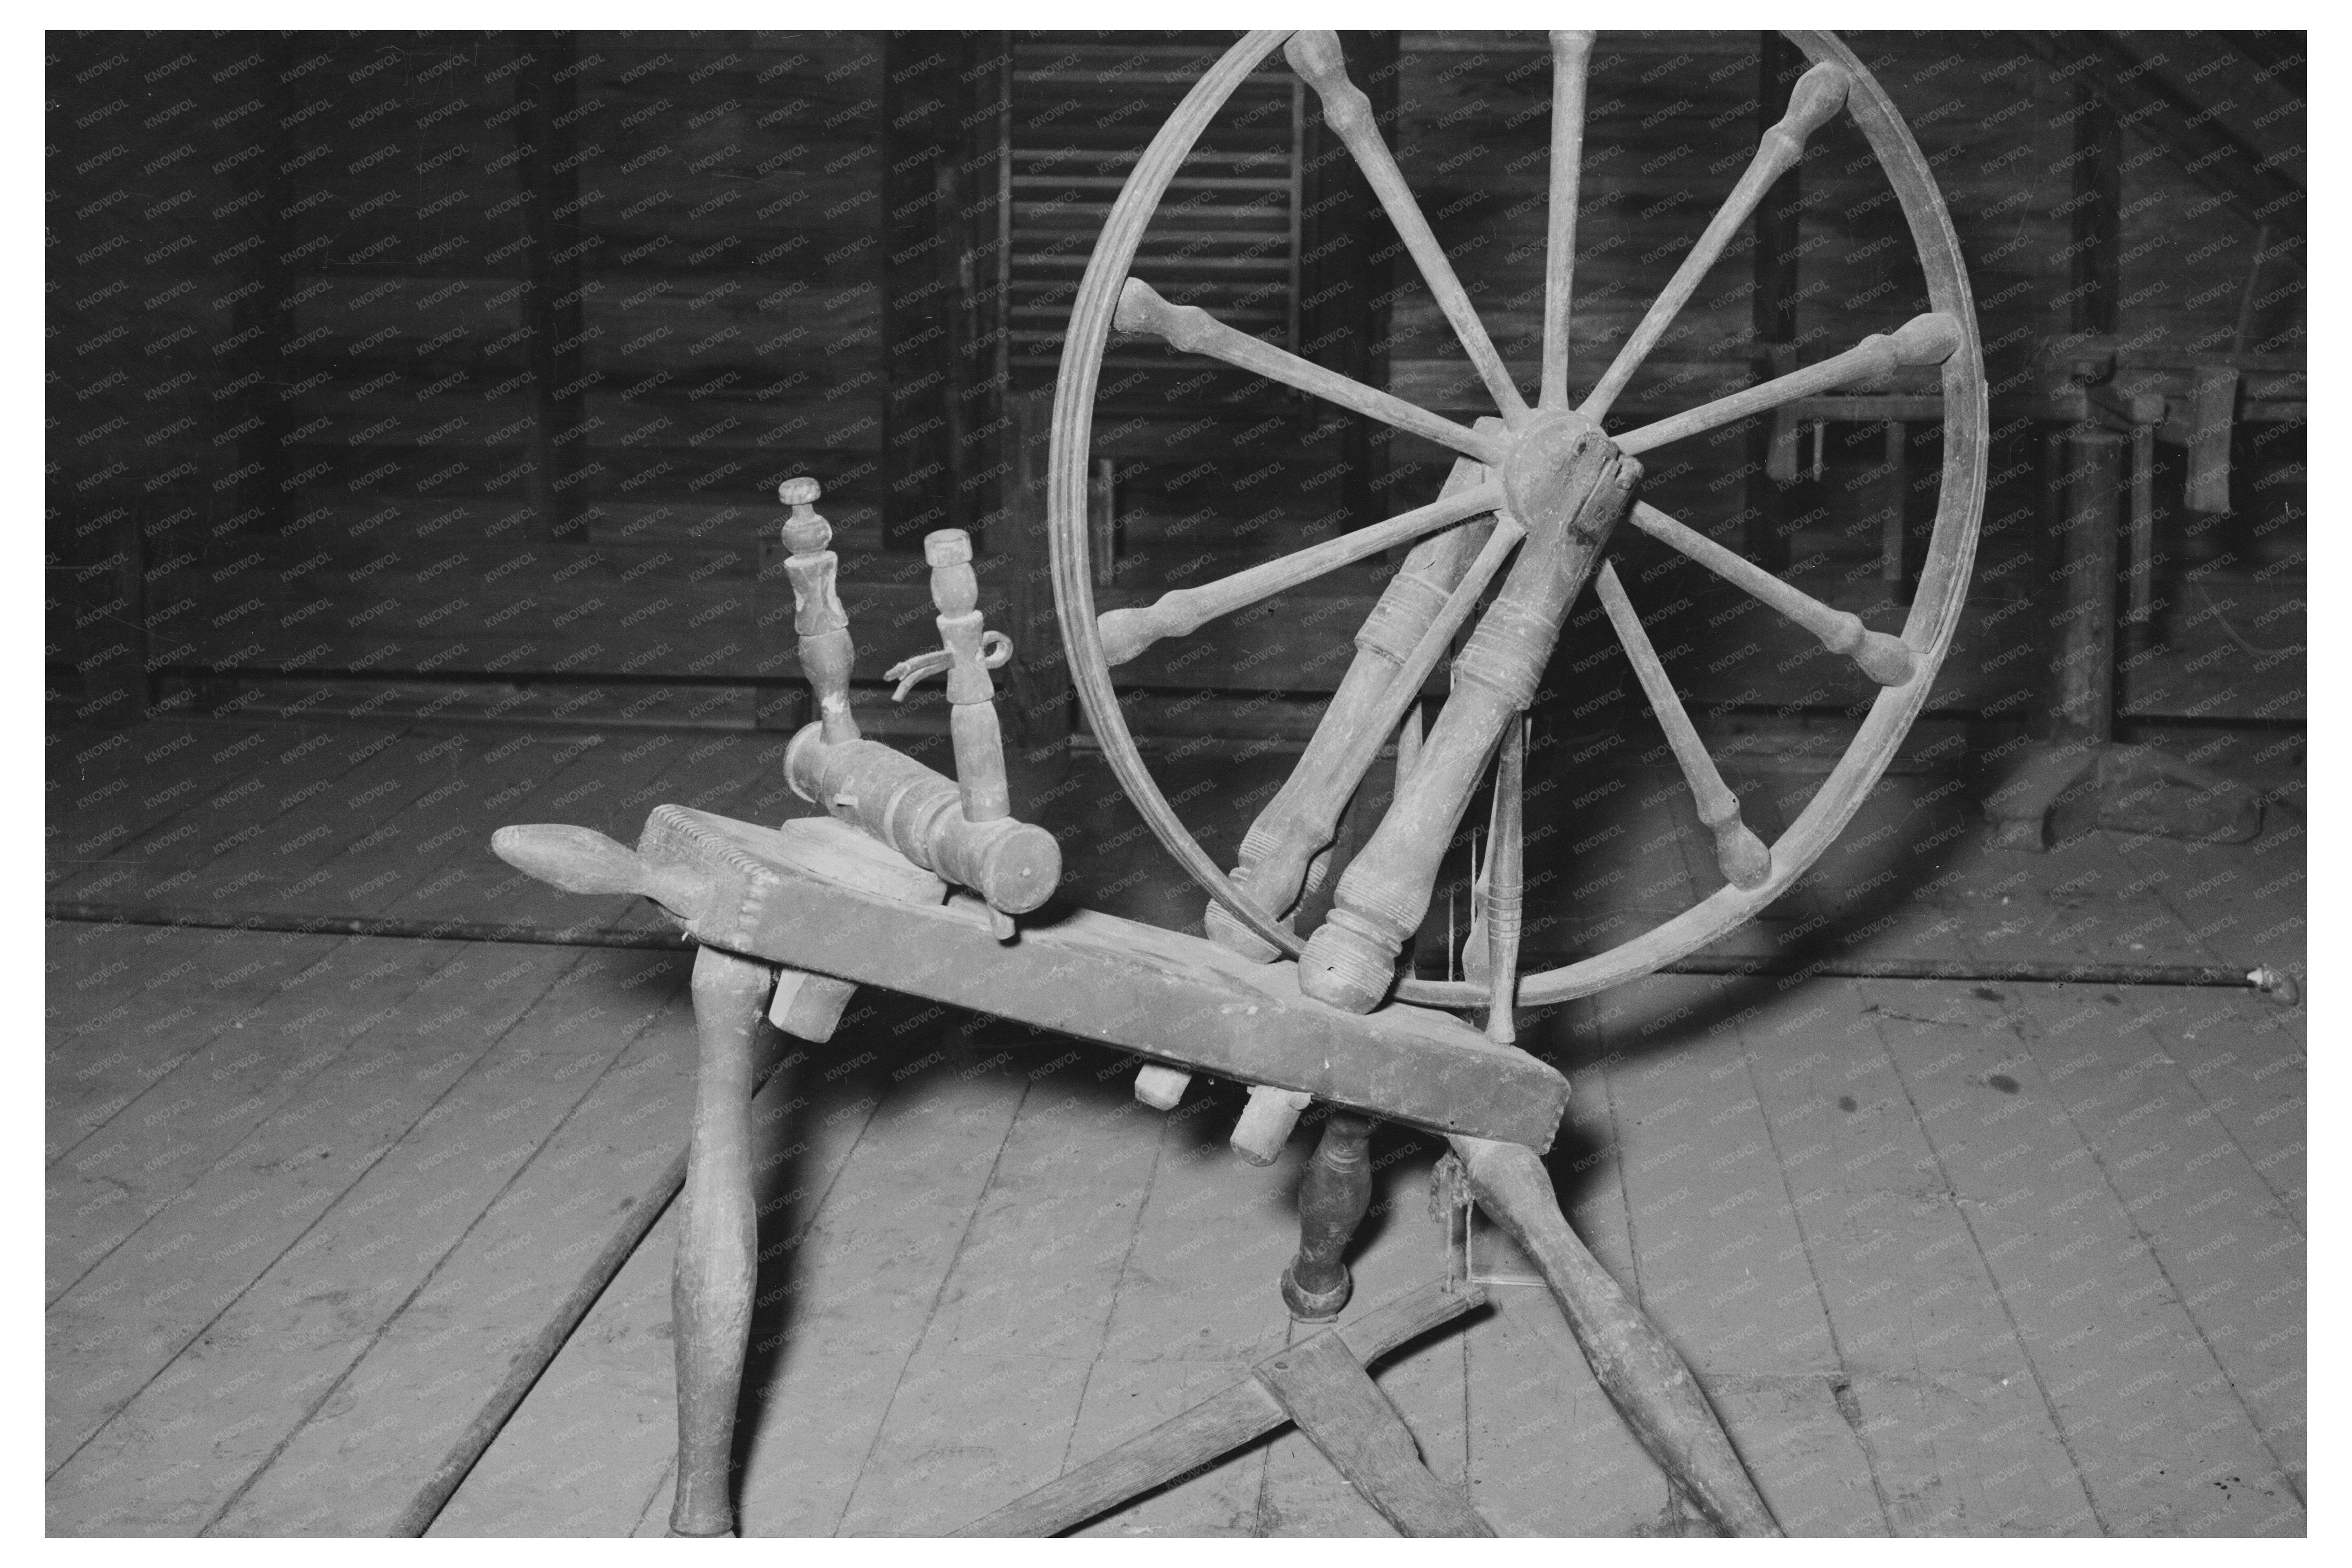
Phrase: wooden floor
pixel 1950 1257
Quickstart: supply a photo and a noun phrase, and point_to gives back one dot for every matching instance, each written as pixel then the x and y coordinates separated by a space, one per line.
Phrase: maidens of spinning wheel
pixel 931 885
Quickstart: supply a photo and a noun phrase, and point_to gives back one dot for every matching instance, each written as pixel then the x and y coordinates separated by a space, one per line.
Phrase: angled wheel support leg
pixel 1642 1374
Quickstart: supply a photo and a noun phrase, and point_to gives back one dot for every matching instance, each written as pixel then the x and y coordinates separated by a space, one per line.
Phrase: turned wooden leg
pixel 1642 1374
pixel 1331 1205
pixel 717 1246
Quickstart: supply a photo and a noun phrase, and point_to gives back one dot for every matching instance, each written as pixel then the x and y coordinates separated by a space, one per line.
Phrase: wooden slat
pixel 1326 1389
pixel 2089 1344
pixel 91 1386
pixel 205 985
pixel 425 1400
pixel 1215 1425
pixel 860 1327
pixel 1007 1365
pixel 312 1310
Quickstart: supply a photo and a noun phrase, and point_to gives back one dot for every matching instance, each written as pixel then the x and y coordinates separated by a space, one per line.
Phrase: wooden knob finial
pixel 805 533
pixel 1819 94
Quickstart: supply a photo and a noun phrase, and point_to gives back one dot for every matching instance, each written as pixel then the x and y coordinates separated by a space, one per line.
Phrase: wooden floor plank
pixel 151 770
pixel 986 1410
pixel 1548 1453
pixel 1587 1158
pixel 2245 1063
pixel 286 794
pixel 2225 1250
pixel 115 1330
pixel 1196 1304
pixel 1723 1263
pixel 179 992
pixel 348 851
pixel 1721 1257
pixel 598 1432
pixel 873 1265
pixel 2091 1308
pixel 431 1161
pixel 382 1451
pixel 1898 1272
pixel 392 845
pixel 153 1156
pixel 617 1374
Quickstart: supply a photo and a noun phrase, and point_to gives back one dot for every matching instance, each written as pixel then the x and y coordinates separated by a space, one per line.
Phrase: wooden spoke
pixel 1923 339
pixel 1195 331
pixel 1819 94
pixel 1570 54
pixel 1745 861
pixel 1316 56
pixel 1179 613
pixel 1887 660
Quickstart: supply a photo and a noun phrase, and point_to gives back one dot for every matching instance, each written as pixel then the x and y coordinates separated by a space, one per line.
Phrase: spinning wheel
pixel 791 920
pixel 1542 480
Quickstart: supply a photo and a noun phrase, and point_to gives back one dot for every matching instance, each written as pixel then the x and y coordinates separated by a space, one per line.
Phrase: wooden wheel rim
pixel 1928 631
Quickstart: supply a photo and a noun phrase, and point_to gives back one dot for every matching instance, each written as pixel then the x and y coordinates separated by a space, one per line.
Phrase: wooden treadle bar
pixel 1215 1426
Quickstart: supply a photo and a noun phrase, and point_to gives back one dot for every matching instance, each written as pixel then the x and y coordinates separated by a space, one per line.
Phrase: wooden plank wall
pixel 308 297
pixel 721 256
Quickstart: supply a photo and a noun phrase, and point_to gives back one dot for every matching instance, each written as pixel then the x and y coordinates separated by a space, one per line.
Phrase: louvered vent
pixel 1226 236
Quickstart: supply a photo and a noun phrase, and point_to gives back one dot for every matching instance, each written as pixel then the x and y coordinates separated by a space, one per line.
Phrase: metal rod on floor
pixel 2273 983
pixel 2276 984
pixel 205 919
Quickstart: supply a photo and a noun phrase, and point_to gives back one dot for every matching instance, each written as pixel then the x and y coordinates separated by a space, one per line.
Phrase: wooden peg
pixel 808 1007
pixel 1160 1086
pixel 826 651
pixel 1265 1122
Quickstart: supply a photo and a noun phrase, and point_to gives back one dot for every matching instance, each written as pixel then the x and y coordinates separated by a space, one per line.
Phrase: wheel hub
pixel 1555 461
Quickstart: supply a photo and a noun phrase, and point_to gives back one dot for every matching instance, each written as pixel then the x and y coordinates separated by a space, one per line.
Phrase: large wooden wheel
pixel 1530 507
